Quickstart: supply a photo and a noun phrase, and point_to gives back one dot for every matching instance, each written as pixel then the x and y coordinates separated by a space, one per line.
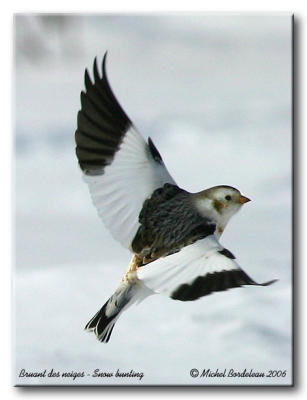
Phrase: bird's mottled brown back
pixel 169 221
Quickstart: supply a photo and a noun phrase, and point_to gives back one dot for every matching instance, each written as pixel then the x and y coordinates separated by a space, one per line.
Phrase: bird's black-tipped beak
pixel 244 199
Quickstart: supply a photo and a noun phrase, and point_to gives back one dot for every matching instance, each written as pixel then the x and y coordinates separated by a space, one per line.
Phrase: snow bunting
pixel 173 234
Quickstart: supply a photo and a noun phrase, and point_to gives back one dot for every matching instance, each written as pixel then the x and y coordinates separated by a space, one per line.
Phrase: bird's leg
pixel 133 266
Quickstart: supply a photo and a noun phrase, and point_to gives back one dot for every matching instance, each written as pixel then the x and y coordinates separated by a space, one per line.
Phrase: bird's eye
pixel 228 197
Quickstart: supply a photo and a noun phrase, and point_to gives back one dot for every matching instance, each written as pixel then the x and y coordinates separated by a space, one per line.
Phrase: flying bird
pixel 173 234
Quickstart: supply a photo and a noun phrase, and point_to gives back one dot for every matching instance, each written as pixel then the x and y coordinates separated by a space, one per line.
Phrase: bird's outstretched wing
pixel 197 270
pixel 120 168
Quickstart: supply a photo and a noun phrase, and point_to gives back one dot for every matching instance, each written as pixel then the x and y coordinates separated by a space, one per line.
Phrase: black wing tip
pixel 215 282
pixel 101 122
pixel 268 283
pixel 87 79
pixel 104 58
pixel 95 70
pixel 103 66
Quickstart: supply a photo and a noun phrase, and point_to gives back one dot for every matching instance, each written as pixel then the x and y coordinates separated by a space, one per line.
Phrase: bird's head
pixel 220 202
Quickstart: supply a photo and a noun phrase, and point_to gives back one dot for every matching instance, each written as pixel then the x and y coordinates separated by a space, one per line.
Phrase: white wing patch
pixel 198 259
pixel 119 193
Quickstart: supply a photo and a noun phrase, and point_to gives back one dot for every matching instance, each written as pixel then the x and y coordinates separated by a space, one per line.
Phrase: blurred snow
pixel 214 93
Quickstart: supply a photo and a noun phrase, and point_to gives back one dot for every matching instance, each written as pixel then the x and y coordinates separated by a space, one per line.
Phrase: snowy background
pixel 214 93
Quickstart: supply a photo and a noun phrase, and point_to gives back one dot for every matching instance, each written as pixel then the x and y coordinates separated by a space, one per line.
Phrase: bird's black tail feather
pixel 102 325
pixel 103 321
